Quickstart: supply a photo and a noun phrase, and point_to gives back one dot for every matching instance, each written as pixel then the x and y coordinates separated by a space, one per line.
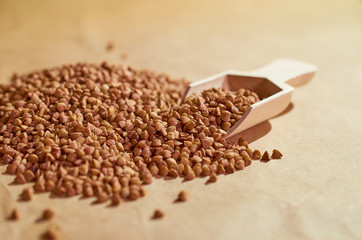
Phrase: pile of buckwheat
pixel 103 131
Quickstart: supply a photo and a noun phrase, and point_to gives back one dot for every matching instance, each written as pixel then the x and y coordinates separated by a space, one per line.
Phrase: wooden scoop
pixel 271 83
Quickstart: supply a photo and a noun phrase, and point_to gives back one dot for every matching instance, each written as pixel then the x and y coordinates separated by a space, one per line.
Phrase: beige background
pixel 315 192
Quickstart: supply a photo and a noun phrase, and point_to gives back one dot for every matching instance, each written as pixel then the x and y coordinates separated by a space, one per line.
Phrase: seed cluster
pixel 104 130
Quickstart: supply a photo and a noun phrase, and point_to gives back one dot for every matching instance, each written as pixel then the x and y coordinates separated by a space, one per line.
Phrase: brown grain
pixel 212 178
pixel 27 194
pixel 158 214
pixel 47 214
pixel 265 157
pixel 102 197
pixel 116 199
pixel 110 46
pixel 182 196
pixel 276 154
pixel 20 179
pixel 14 215
pixel 49 235
pixel 256 154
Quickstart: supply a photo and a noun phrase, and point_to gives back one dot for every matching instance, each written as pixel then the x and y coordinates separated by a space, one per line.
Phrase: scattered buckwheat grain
pixel 14 215
pixel 276 154
pixel 49 235
pixel 182 196
pixel 256 154
pixel 265 157
pixel 27 194
pixel 47 214
pixel 212 178
pixel 158 214
pixel 110 46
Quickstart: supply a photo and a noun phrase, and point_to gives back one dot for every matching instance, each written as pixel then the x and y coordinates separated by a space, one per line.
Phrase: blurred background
pixel 182 37
pixel 313 193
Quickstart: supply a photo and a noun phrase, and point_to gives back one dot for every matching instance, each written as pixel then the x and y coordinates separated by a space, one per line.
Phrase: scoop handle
pixel 292 72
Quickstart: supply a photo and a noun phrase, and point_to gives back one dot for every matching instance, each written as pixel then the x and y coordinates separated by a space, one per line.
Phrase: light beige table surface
pixel 314 192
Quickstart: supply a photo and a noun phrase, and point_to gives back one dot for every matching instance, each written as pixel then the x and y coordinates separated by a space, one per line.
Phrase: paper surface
pixel 314 192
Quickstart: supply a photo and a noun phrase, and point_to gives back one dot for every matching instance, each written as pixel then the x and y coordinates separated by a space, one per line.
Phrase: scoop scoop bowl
pixel 273 83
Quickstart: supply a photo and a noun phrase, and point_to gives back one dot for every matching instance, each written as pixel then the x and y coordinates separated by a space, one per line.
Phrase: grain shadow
pixel 252 134
pixel 177 201
pixel 258 131
pixel 285 111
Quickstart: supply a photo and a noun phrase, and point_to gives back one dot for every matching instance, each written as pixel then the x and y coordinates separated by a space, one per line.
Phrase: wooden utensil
pixel 271 83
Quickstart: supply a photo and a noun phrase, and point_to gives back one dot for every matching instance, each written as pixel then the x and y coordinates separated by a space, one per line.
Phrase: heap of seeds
pixel 104 130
